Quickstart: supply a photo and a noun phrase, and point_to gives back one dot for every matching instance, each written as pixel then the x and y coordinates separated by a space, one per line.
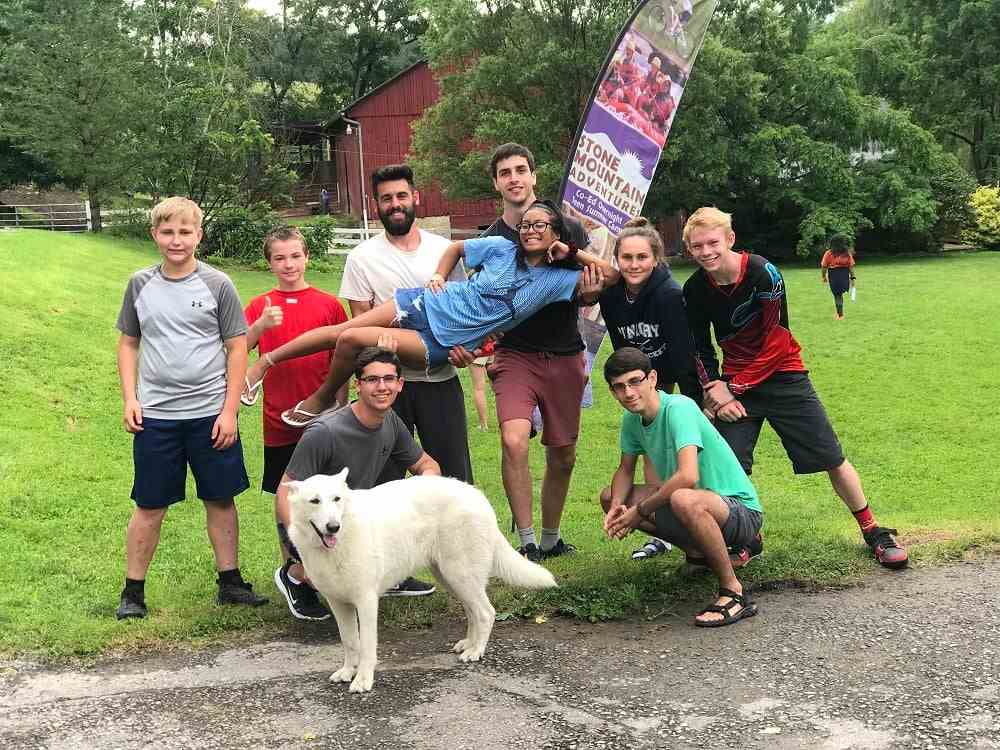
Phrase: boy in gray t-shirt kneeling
pixel 182 358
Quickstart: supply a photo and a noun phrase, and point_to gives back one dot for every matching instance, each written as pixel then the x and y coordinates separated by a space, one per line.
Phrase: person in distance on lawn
pixel 181 391
pixel 742 297
pixel 705 503
pixel 838 265
pixel 276 317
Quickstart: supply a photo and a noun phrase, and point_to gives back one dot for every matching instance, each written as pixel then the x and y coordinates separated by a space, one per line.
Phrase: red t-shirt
pixel 289 382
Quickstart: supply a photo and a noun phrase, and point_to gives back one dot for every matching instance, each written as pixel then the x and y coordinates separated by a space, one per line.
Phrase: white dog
pixel 355 544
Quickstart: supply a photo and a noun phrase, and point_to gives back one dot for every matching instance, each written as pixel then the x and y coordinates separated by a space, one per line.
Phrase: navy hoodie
pixel 656 323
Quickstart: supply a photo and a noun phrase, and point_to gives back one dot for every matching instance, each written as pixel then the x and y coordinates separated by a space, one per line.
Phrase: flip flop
pixel 748 609
pixel 250 393
pixel 288 416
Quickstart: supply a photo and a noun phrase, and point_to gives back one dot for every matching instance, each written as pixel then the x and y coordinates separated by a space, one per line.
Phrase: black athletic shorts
pixel 788 401
pixel 276 460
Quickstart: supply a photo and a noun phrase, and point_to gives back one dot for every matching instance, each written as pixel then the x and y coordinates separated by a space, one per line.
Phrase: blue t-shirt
pixel 678 424
pixel 498 297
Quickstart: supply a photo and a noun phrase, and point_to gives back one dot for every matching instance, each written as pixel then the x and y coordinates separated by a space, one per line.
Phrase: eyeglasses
pixel 633 383
pixel 538 226
pixel 376 379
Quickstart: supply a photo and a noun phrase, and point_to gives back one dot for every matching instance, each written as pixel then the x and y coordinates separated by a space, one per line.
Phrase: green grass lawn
pixel 909 379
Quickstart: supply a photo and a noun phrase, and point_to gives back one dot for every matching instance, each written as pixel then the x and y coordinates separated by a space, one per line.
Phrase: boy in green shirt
pixel 706 503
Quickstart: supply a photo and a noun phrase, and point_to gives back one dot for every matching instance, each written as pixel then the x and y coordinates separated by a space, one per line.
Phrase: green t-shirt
pixel 678 424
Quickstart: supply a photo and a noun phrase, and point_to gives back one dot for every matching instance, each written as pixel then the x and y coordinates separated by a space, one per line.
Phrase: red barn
pixel 386 114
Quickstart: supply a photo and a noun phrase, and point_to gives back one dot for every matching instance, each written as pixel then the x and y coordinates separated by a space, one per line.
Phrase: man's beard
pixel 392 223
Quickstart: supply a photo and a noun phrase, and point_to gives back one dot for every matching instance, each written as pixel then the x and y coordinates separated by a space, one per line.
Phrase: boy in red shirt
pixel 291 308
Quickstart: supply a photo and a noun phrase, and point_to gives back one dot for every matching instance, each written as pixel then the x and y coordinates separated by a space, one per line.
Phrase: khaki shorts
pixel 524 380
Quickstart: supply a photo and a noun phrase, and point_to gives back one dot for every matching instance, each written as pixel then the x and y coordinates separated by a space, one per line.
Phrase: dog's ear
pixel 342 476
pixel 293 488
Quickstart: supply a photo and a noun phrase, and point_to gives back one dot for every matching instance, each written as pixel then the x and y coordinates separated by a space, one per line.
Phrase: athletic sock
pixel 865 519
pixel 230 577
pixel 295 581
pixel 527 536
pixel 549 538
pixel 135 590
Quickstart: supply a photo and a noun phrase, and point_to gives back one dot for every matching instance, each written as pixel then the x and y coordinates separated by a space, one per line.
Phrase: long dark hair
pixel 558 226
pixel 840 244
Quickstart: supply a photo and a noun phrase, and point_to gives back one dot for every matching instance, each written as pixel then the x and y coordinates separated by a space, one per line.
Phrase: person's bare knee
pixel 514 440
pixel 149 517
pixel 606 499
pixel 561 460
pixel 684 503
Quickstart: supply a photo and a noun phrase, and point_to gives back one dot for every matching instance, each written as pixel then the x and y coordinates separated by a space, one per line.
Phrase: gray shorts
pixel 739 529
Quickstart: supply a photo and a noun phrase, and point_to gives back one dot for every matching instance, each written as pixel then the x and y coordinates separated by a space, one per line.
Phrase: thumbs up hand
pixel 271 316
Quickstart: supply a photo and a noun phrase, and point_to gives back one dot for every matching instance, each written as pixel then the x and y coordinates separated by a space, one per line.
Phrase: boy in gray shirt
pixel 182 358
pixel 362 437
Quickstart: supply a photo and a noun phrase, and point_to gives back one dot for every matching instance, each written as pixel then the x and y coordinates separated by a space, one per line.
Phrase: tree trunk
pixel 95 210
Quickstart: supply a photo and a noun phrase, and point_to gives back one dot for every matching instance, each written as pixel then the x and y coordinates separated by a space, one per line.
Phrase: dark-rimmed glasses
pixel 538 226
pixel 376 379
pixel 630 383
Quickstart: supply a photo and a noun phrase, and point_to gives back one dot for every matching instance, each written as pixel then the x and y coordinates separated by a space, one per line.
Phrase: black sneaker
pixel 559 548
pixel 531 552
pixel 411 587
pixel 887 550
pixel 302 600
pixel 128 608
pixel 239 593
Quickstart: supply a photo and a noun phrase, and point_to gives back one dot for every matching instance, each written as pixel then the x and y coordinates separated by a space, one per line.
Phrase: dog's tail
pixel 516 570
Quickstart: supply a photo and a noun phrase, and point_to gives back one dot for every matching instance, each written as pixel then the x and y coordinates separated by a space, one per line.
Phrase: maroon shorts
pixel 554 384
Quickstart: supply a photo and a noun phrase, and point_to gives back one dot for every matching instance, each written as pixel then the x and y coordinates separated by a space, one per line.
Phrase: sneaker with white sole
pixel 302 599
pixel 411 587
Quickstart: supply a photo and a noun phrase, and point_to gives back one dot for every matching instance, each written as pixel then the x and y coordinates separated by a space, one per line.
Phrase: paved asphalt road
pixel 909 660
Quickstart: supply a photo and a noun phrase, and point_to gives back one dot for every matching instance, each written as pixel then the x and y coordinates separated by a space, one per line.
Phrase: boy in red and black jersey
pixel 742 296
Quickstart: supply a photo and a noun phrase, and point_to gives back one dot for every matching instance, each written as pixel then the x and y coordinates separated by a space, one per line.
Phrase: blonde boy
pixel 742 297
pixel 182 357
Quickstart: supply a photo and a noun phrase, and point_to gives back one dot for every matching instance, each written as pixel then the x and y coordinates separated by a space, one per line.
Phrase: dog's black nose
pixel 332 528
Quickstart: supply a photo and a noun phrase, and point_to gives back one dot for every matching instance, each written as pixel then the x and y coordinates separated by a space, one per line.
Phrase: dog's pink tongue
pixel 330 540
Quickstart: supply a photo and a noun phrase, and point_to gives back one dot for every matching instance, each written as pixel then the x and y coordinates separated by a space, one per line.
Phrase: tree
pixel 205 139
pixel 73 92
pixel 772 126
pixel 510 70
pixel 942 62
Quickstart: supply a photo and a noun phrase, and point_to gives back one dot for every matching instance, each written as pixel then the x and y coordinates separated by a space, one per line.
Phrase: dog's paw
pixel 461 646
pixel 344 674
pixel 363 682
pixel 472 653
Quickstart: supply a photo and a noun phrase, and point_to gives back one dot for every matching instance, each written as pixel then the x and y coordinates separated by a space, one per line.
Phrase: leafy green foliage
pixel 941 61
pixel 772 127
pixel 985 205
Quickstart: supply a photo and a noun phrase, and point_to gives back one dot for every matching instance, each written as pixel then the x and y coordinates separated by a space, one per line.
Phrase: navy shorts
pixel 276 458
pixel 166 447
pixel 411 316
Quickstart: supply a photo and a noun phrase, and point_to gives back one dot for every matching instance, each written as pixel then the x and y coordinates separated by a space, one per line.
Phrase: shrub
pixel 985 231
pixel 239 232
pixel 319 235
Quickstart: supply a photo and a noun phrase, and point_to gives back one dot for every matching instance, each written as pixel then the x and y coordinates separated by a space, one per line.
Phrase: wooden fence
pixel 59 217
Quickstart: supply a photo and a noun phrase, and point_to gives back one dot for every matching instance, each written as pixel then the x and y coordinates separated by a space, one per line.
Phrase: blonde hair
pixel 283 234
pixel 175 208
pixel 708 217
pixel 640 226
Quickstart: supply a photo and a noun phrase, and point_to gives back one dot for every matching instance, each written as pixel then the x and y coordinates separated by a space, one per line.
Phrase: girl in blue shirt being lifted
pixel 512 283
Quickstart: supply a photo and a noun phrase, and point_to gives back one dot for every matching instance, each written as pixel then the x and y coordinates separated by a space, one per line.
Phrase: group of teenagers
pixel 421 306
